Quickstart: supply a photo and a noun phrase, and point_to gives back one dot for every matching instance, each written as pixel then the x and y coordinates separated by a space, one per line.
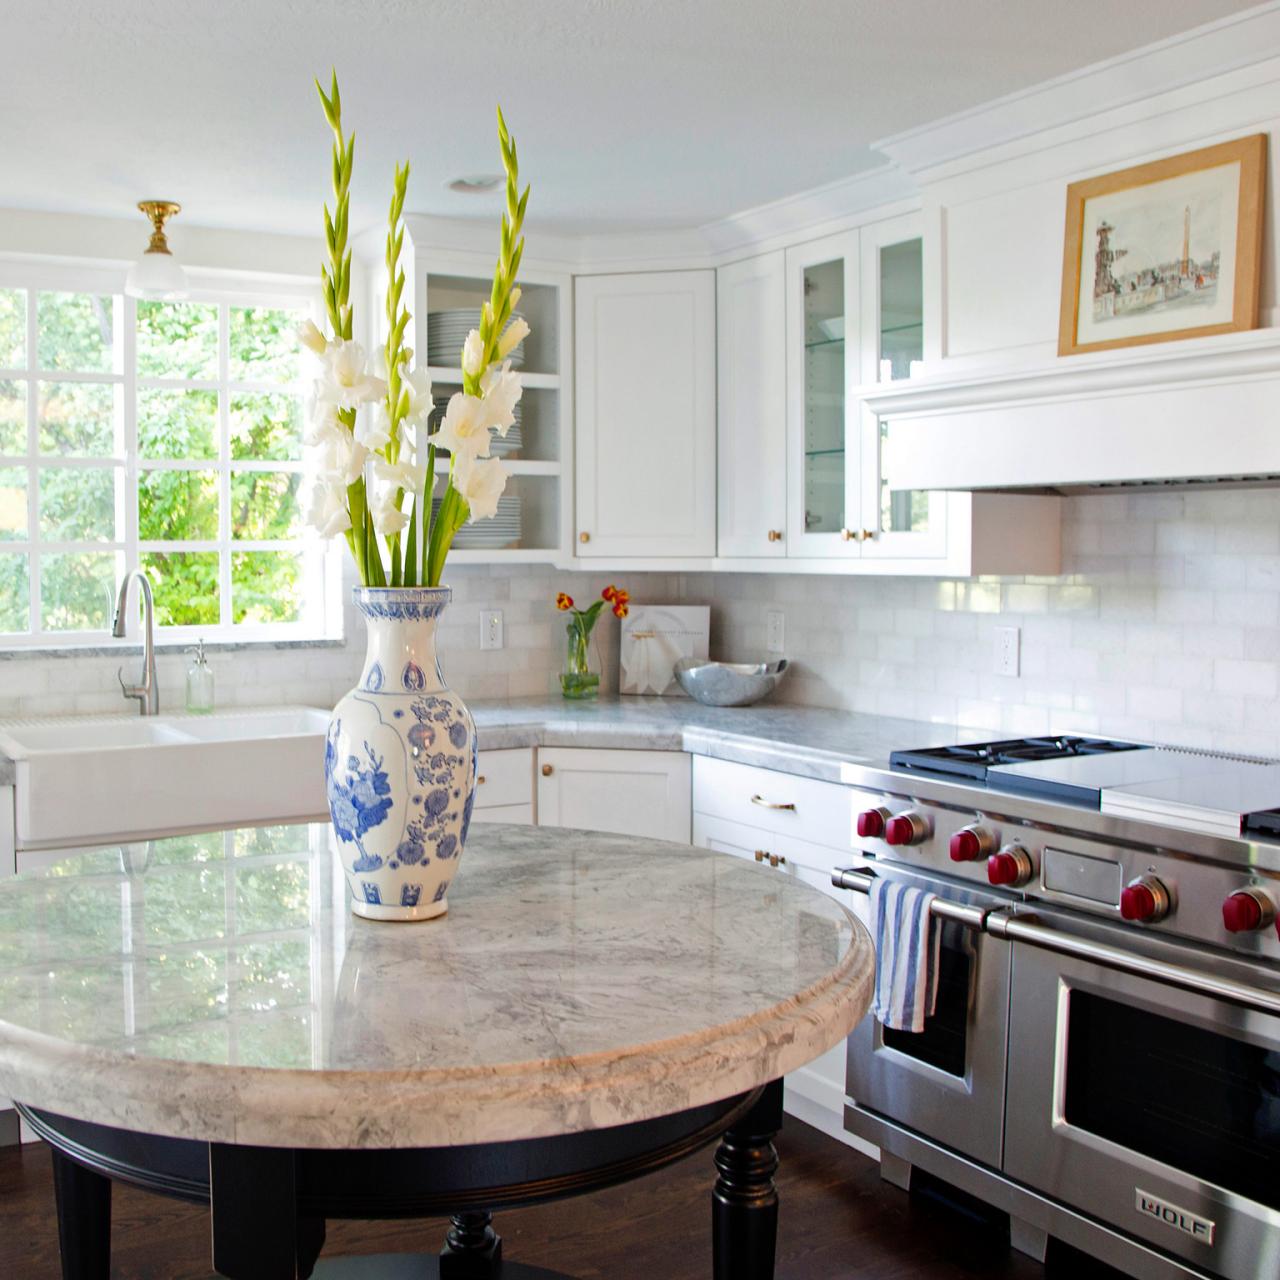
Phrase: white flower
pixel 418 385
pixel 312 338
pixel 465 430
pixel 501 390
pixel 373 426
pixel 335 454
pixel 324 505
pixel 386 482
pixel 321 417
pixel 344 379
pixel 517 332
pixel 473 354
pixel 481 484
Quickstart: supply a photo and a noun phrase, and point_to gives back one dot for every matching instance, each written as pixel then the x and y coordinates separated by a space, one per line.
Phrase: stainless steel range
pixel 1104 1063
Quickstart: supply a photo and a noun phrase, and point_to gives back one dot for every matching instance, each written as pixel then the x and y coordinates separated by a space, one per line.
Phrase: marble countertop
pixel 214 986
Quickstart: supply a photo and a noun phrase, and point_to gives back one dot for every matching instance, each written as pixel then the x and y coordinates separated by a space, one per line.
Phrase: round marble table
pixel 203 1016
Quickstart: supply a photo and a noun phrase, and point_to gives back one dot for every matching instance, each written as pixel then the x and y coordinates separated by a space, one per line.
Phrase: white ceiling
pixel 629 113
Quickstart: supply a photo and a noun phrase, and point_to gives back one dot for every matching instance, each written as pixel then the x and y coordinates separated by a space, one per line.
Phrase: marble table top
pixel 215 986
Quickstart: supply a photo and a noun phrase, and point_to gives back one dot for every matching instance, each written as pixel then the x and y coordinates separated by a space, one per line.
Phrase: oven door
pixel 947 1082
pixel 1150 1106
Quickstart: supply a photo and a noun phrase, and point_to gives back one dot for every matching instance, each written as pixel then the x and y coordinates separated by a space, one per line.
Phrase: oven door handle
pixel 861 881
pixel 1029 929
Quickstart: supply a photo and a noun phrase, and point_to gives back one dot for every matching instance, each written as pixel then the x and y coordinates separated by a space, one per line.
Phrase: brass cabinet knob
pixel 848 535
pixel 584 536
pixel 775 535
pixel 480 781
pixel 868 535
pixel 777 860
pixel 547 770
pixel 761 855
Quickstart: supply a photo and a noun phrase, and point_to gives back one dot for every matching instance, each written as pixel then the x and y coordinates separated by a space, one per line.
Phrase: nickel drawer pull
pixel 861 881
pixel 772 804
pixel 1028 929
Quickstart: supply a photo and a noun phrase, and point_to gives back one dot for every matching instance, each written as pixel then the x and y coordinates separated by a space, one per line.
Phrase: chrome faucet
pixel 148 692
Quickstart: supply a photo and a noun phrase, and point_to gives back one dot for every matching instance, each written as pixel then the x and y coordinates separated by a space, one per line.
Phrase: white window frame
pixel 321 606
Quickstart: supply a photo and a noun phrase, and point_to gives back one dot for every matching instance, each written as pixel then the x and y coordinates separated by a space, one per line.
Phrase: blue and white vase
pixel 400 763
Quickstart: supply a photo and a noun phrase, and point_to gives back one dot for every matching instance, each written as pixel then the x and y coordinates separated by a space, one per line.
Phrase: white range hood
pixel 1201 409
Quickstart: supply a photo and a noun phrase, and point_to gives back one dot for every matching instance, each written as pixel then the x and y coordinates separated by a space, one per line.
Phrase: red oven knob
pixel 906 828
pixel 1011 866
pixel 1247 910
pixel 970 843
pixel 870 823
pixel 1144 900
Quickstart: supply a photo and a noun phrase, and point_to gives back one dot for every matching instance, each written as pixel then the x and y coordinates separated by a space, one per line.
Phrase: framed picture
pixel 1170 249
pixel 654 638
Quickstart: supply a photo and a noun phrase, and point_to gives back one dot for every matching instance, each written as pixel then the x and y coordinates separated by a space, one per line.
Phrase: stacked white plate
pixel 507 446
pixel 447 331
pixel 497 534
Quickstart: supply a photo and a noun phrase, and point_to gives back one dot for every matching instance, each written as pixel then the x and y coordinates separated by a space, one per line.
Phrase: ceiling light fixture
pixel 157 274
pixel 477 184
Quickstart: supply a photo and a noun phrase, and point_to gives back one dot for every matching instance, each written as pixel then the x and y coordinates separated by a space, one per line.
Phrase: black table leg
pixel 744 1204
pixel 472 1249
pixel 84 1219
pixel 257 1233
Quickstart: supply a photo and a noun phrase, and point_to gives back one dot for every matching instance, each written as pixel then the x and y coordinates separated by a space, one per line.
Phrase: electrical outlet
pixel 776 631
pixel 1008 651
pixel 491 628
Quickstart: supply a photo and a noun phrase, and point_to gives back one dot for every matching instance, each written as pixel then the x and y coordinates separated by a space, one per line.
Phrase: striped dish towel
pixel 907 946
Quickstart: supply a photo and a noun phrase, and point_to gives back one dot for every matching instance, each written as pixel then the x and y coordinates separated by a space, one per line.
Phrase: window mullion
pixel 33 511
pixel 129 342
pixel 224 464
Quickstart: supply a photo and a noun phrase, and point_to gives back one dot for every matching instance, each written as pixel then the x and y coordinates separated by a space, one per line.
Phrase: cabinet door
pixel 646 414
pixel 902 523
pixel 751 408
pixel 823 323
pixel 641 793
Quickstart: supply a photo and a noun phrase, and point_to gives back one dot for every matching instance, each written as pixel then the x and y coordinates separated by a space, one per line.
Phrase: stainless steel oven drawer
pixel 1151 1108
pixel 948 1082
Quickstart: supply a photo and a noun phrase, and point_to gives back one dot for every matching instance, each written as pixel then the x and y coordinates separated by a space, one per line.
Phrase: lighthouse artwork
pixel 1157 252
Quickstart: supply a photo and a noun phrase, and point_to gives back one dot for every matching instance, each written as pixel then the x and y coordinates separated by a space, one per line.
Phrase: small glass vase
pixel 578 680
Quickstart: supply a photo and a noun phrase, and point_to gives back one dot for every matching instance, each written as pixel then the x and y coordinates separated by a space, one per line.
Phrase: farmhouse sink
pixel 95 778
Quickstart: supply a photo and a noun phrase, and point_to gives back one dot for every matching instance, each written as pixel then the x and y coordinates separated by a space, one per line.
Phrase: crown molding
pixel 1194 57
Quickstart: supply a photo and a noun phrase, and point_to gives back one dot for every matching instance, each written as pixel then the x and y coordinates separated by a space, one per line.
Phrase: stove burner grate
pixel 972 760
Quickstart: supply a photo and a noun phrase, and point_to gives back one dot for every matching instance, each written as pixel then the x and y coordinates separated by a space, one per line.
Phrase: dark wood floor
pixel 838 1222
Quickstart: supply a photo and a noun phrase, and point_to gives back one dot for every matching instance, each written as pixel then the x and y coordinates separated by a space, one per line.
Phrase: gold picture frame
pixel 1166 250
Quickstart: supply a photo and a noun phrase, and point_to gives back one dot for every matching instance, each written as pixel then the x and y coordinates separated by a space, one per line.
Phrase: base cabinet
pixel 639 793
pixel 504 787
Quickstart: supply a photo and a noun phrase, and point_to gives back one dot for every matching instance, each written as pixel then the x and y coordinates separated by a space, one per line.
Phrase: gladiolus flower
pixel 465 429
pixel 501 390
pixel 480 483
pixel 517 332
pixel 564 602
pixel 418 386
pixel 345 380
pixel 473 354
pixel 324 505
pixel 373 427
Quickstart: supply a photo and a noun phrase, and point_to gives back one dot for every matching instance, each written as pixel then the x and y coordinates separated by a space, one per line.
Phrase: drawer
pixel 781 803
pixel 811 863
pixel 518 815
pixel 504 778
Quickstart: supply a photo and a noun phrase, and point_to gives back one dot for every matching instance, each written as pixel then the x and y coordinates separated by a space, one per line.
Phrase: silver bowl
pixel 729 684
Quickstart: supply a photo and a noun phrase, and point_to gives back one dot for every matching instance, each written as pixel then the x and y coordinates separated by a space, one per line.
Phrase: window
pixel 159 435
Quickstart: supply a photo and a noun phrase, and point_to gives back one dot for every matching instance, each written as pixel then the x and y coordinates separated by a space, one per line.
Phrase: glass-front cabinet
pixel 823 367
pixel 897 523
pixel 855 317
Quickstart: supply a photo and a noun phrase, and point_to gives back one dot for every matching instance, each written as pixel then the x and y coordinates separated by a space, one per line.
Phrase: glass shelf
pixel 824 453
pixel 818 343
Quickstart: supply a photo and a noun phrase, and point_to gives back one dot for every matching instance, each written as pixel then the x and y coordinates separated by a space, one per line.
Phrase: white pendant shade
pixel 156 275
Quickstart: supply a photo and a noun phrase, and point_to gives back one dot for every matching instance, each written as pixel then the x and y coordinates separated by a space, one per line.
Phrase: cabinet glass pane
pixel 824 316
pixel 900 344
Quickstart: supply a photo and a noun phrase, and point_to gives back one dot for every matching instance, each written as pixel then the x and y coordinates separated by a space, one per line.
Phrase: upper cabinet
pixel 751 380
pixel 646 415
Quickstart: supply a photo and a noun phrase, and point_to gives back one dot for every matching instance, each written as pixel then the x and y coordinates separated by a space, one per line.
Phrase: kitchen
pixel 934 464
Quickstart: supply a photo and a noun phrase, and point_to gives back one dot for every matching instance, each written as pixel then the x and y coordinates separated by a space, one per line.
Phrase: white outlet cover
pixel 491 629
pixel 1007 658
pixel 775 627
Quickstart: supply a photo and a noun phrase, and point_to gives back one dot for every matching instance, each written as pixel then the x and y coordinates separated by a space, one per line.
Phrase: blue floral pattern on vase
pixel 400 764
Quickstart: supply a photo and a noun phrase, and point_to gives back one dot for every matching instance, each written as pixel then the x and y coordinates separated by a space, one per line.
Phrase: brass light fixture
pixel 157 273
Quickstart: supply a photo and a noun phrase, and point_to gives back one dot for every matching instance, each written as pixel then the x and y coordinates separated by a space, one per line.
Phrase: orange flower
pixel 564 602
pixel 609 592
pixel 620 610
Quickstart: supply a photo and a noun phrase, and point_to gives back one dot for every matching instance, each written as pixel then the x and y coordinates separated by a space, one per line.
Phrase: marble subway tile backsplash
pixel 1164 624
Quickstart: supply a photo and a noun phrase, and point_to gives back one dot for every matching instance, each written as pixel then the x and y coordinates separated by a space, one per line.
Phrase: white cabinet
pixel 504 787
pixel 641 793
pixel 751 408
pixel 646 415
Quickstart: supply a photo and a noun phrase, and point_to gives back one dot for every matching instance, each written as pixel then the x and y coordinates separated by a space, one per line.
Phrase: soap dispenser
pixel 199 682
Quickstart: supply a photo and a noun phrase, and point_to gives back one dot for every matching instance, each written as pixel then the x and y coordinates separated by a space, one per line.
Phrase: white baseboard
pixel 820 1103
